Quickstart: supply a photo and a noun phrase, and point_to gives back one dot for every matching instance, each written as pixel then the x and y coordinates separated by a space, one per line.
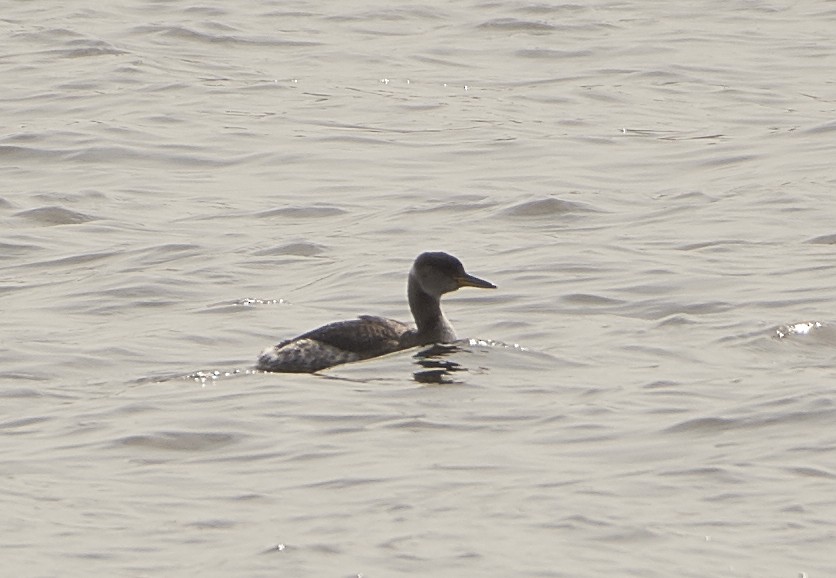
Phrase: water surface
pixel 650 185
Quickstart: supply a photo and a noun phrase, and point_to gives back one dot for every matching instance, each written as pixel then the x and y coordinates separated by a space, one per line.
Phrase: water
pixel 649 184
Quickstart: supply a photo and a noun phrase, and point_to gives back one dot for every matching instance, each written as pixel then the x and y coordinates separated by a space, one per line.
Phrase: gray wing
pixel 367 336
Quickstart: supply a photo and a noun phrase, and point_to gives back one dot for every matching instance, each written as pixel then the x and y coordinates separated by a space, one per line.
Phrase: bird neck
pixel 432 326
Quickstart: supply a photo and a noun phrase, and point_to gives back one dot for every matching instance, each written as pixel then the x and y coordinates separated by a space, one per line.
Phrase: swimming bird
pixel 432 275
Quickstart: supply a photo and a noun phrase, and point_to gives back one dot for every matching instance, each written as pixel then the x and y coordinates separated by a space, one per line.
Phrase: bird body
pixel 432 275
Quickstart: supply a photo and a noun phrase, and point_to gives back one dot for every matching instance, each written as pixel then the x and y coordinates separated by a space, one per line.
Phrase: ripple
pixel 49 216
pixel 82 48
pixel 187 33
pixel 705 425
pixel 548 207
pixel 301 249
pixel 16 249
pixel 760 416
pixel 310 212
pixel 823 240
pixel 812 472
pixel 825 127
pixel 180 441
pixel 546 53
pixel 161 254
pixel 70 260
pixel 517 25
pixel 21 426
pixel 591 300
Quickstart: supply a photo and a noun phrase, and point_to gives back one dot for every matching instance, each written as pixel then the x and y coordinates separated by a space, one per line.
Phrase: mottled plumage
pixel 432 275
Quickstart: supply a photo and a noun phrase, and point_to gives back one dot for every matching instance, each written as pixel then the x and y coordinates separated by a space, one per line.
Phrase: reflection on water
pixel 437 369
pixel 803 328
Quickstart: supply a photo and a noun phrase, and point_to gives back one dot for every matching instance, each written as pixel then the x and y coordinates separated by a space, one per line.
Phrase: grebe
pixel 432 275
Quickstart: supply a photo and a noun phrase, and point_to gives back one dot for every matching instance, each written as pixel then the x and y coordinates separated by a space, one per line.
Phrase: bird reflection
pixel 436 369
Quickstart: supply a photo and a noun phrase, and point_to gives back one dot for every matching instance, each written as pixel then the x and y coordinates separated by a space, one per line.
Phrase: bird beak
pixel 468 280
